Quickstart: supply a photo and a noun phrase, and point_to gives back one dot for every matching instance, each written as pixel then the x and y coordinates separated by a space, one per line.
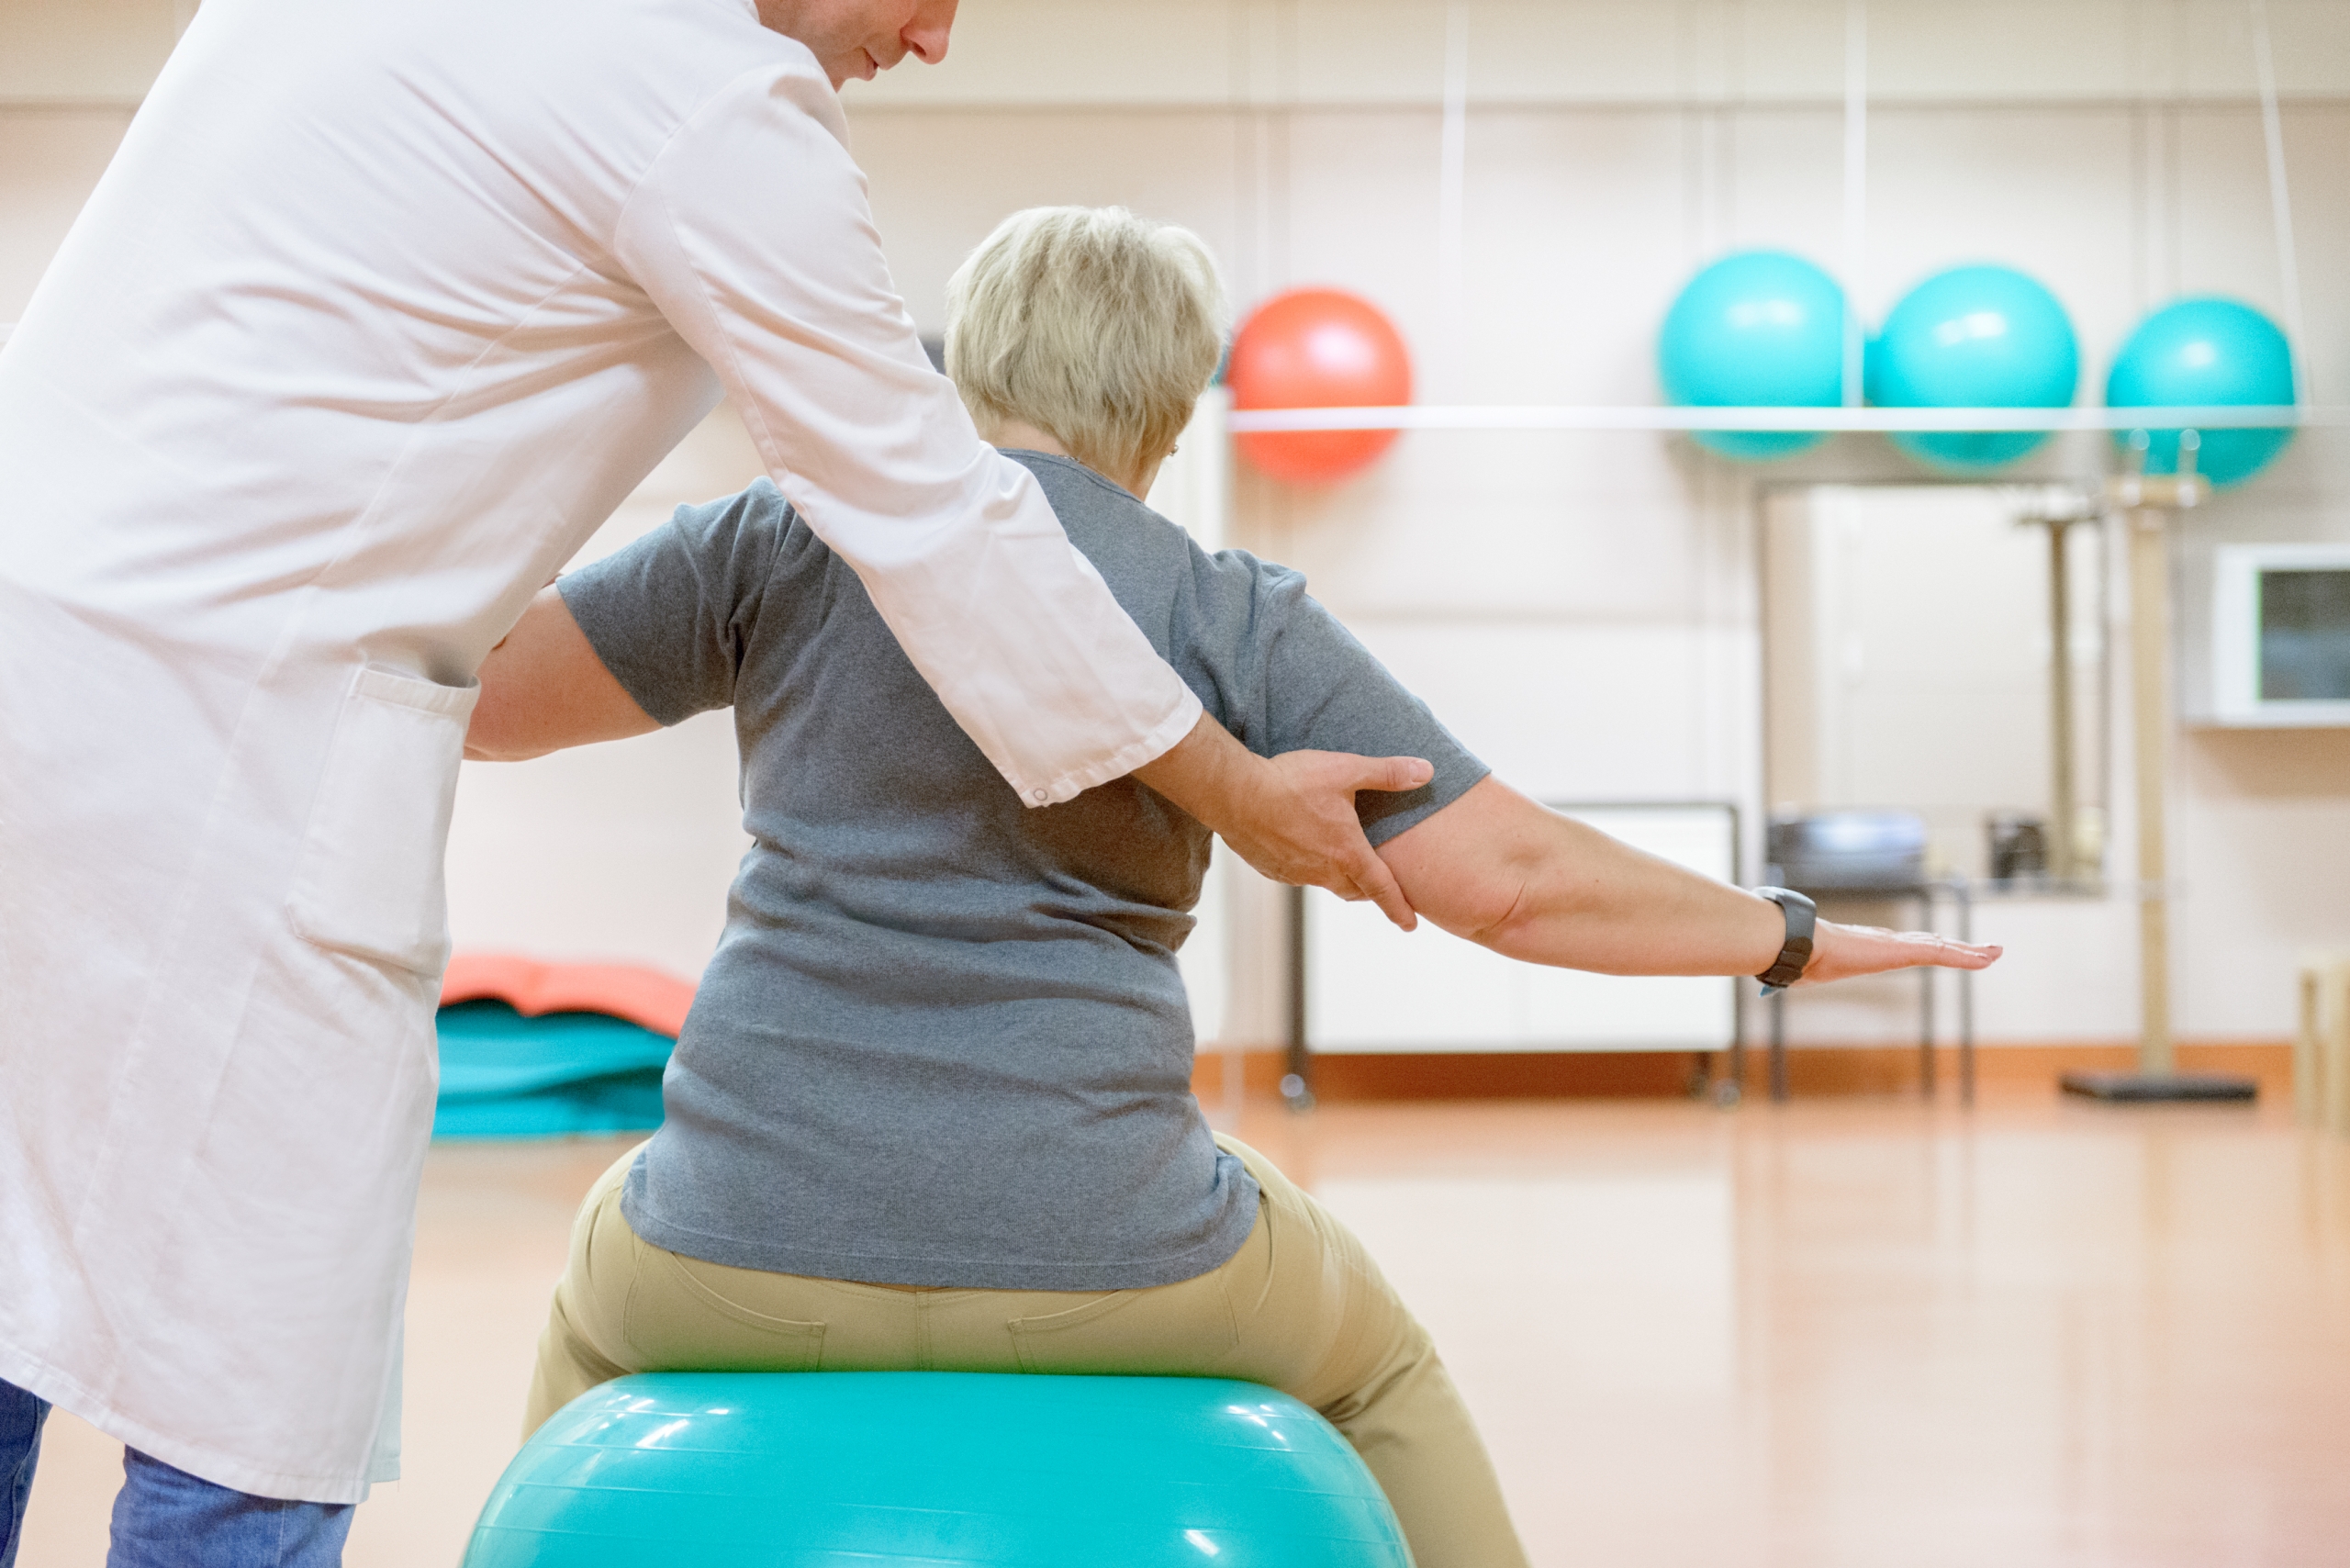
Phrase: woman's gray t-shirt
pixel 944 1041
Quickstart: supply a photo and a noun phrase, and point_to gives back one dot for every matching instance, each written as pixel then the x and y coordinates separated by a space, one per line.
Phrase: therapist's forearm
pixel 956 546
pixel 1291 816
pixel 1205 773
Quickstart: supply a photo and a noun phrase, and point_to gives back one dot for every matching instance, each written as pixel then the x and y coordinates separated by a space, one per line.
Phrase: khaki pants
pixel 1300 1307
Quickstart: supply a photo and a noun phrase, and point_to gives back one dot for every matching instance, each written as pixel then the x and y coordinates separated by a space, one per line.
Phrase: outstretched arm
pixel 1532 885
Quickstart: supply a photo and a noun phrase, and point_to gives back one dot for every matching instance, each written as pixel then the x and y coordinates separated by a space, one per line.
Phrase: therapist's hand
pixel 1292 817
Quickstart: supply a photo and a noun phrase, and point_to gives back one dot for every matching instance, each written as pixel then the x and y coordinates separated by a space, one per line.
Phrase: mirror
pixel 1940 650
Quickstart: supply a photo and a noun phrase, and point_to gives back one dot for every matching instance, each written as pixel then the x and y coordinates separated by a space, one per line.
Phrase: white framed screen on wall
pixel 1371 988
pixel 2280 635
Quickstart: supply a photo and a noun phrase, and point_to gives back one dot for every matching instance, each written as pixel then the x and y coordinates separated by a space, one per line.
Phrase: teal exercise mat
pixel 488 1048
pixel 625 1104
pixel 506 1074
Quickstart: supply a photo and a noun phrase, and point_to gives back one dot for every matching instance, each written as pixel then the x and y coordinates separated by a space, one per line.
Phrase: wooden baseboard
pixel 1886 1070
pixel 1811 1069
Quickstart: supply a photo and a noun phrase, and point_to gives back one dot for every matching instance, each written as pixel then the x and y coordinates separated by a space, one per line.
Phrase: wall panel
pixel 50 158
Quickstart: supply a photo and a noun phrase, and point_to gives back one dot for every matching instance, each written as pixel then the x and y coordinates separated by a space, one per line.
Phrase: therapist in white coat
pixel 378 312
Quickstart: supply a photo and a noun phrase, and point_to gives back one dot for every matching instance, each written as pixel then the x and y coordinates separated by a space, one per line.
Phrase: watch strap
pixel 1795 955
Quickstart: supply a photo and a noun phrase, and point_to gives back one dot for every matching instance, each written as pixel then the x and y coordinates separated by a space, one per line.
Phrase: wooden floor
pixel 1840 1332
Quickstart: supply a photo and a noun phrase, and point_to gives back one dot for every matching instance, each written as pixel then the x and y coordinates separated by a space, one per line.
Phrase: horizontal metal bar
pixel 1620 417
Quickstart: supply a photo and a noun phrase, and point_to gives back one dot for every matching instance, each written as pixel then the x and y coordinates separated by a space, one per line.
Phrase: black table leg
pixel 1779 1046
pixel 1926 1005
pixel 1966 996
pixel 1297 1075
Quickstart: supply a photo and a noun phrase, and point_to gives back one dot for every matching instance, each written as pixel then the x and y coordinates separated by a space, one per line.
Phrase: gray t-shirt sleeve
pixel 671 614
pixel 1292 678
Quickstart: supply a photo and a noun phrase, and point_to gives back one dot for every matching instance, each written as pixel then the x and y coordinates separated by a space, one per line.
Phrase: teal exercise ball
pixel 824 1470
pixel 2206 353
pixel 1761 329
pixel 1977 337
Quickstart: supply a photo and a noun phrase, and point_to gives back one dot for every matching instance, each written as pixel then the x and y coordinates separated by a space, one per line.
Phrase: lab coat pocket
pixel 369 880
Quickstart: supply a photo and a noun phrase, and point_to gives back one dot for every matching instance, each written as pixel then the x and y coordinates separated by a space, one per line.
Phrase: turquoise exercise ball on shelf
pixel 1761 329
pixel 816 1469
pixel 1975 337
pixel 2206 353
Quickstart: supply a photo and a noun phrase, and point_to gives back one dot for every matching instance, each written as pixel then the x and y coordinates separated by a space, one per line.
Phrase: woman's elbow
pixel 489 746
pixel 1499 923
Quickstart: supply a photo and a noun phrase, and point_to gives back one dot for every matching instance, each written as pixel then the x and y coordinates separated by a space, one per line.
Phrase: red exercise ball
pixel 1317 347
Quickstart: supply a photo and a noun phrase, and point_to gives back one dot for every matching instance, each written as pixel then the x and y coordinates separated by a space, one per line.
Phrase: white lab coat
pixel 379 311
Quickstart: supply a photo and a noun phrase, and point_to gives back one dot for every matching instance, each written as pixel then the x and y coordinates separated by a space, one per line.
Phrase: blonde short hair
pixel 1097 327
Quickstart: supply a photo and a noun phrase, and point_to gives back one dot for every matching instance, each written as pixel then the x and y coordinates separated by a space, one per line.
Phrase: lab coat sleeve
pixel 752 233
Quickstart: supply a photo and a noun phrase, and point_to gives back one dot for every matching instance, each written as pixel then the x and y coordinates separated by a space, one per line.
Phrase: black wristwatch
pixel 1802 916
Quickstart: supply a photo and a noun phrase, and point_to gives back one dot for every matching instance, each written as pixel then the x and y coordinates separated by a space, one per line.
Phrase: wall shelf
pixel 1625 417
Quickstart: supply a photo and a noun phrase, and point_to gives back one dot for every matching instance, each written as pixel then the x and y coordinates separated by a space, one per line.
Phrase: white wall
pixel 86 52
pixel 49 157
pixel 1582 608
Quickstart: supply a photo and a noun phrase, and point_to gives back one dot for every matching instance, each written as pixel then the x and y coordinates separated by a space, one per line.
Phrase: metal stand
pixel 1297 1070
pixel 2063 787
pixel 2146 505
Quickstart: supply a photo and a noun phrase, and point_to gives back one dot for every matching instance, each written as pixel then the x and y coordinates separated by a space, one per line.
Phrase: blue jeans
pixel 165 1518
